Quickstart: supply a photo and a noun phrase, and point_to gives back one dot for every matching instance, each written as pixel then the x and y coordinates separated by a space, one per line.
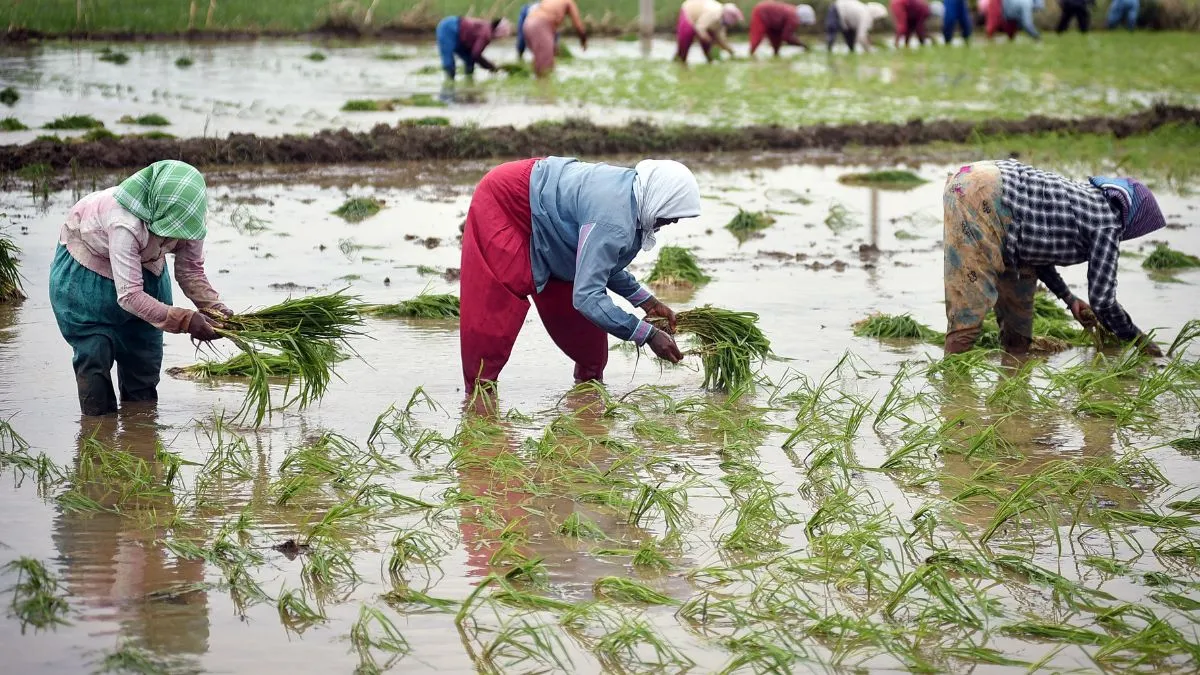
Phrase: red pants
pixel 996 20
pixel 910 17
pixel 776 32
pixel 497 280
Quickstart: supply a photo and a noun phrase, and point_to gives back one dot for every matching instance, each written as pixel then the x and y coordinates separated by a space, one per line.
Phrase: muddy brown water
pixel 110 563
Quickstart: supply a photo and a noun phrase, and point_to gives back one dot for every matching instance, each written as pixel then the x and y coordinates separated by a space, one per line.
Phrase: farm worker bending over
pixel 1077 9
pixel 540 31
pixel 466 38
pixel 109 285
pixel 853 19
pixel 563 231
pixel 956 14
pixel 1011 15
pixel 910 17
pixel 778 21
pixel 1007 226
pixel 1123 11
pixel 525 10
pixel 706 21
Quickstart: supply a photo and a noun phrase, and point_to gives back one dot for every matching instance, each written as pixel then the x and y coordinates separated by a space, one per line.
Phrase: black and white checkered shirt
pixel 1058 221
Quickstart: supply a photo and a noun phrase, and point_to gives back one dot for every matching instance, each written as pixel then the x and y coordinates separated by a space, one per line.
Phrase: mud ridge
pixel 572 137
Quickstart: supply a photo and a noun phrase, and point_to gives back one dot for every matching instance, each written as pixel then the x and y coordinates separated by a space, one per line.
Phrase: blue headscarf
pixel 1136 203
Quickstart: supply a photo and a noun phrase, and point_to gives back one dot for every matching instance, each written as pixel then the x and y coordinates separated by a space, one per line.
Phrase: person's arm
pixel 627 286
pixel 577 21
pixel 863 32
pixel 1027 20
pixel 600 248
pixel 189 274
pixel 481 42
pixel 1048 274
pixel 484 63
pixel 720 38
pixel 1102 286
pixel 125 257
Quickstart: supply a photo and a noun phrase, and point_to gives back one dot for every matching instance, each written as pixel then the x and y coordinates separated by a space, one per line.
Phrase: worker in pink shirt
pixel 705 21
pixel 541 28
pixel 466 38
pixel 778 23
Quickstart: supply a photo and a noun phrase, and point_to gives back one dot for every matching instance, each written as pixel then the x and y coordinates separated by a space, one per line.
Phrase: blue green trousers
pixel 102 333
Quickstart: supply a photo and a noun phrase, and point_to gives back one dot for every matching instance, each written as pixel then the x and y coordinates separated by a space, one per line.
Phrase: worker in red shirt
pixel 778 22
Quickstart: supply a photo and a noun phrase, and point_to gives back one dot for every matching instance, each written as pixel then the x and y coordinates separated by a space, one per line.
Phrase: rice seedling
pixel 580 527
pixel 358 209
pixel 761 518
pixel 129 658
pixel 519 645
pixel 728 344
pixel 1163 257
pixel 623 649
pixel 367 105
pixel 1176 601
pixel 1056 633
pixel 895 326
pixel 375 631
pixel 518 69
pixel 93 135
pixel 11 289
pixel 36 598
pixel 427 121
pixel 1106 565
pixel 243 365
pixel 888 179
pixel 309 330
pixel 403 595
pixel 839 219
pixel 108 55
pixel 315 56
pixel 676 266
pixel 151 120
pixel 423 306
pixel 977 654
pixel 649 556
pixel 184 62
pixel 156 135
pixel 9 96
pixel 624 590
pixel 1189 332
pixel 670 503
pixel 12 124
pixel 748 224
pixel 74 122
pixel 295 613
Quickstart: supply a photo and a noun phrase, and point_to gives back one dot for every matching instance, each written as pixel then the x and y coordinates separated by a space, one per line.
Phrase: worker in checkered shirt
pixel 1008 225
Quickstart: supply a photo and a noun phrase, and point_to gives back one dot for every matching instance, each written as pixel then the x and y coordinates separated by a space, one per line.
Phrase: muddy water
pixel 806 281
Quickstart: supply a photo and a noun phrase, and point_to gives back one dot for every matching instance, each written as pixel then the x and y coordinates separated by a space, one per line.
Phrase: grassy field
pixel 295 16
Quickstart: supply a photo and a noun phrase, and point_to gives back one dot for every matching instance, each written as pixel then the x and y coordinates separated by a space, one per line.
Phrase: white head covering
pixel 663 189
pixel 731 14
pixel 806 14
pixel 937 8
pixel 502 29
pixel 876 10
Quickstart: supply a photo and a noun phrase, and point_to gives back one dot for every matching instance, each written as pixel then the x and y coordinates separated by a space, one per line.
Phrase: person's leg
pixel 447 42
pixel 973 243
pixel 965 21
pixel 758 31
pixel 583 341
pixel 464 53
pixel 521 30
pixel 139 352
pixel 1064 19
pixel 1085 18
pixel 84 310
pixel 1131 13
pixel 900 18
pixel 851 38
pixel 684 34
pixel 539 37
pixel 1014 309
pixel 995 18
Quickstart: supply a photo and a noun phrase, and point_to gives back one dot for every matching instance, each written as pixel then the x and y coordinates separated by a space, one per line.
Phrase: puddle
pixel 501 491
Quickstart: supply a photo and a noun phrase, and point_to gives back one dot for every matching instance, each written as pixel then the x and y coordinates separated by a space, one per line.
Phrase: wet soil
pixel 573 137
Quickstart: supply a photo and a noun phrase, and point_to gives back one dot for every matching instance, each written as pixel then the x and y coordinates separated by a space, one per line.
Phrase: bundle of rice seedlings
pixel 747 223
pixel 895 326
pixel 10 273
pixel 1189 332
pixel 308 332
pixel 515 69
pixel 1163 257
pixel 424 306
pixel 242 365
pixel 359 208
pixel 676 266
pixel 727 342
pixel 888 179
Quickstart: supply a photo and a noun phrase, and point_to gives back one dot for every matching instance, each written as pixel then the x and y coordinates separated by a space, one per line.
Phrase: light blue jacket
pixel 1022 11
pixel 585 231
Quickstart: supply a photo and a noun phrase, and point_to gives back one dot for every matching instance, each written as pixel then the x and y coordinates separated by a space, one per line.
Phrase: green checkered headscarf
pixel 169 197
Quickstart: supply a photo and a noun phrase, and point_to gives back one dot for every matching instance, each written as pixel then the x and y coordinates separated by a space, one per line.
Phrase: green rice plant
pixel 244 365
pixel 9 96
pixel 151 120
pixel 405 596
pixel 977 654
pixel 748 224
pixel 625 648
pixel 1176 601
pixel 728 344
pixel 184 62
pixel 36 598
pixel 11 289
pixel 375 631
pixel 315 56
pixel 1163 257
pixel 414 546
pixel 580 527
pixel 156 135
pixel 74 122
pixel 129 658
pixel 676 266
pixel 1056 633
pixel 1106 565
pixel 427 121
pixel 839 219
pixel 516 69
pixel 309 330
pixel 358 209
pixel 649 556
pixel 670 503
pixel 888 179
pixel 94 135
pixel 761 517
pixel 366 105
pixel 420 100
pixel 895 326
pixel 1189 332
pixel 521 646
pixel 1190 505
pixel 624 590
pixel 295 613
pixel 759 653
pixel 109 55
pixel 423 306
pixel 12 124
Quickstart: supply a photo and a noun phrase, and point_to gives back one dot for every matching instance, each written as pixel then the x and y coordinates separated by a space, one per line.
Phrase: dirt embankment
pixel 405 142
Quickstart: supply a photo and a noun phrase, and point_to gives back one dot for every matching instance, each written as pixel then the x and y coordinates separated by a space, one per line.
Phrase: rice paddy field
pixel 862 505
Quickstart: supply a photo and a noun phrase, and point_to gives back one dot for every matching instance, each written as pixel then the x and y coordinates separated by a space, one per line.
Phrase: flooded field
pixel 866 506
pixel 291 87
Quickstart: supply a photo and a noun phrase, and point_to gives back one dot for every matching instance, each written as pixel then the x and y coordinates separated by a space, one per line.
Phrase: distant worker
pixel 525 10
pixel 853 19
pixel 540 31
pixel 957 13
pixel 778 22
pixel 466 38
pixel 1123 11
pixel 1009 225
pixel 1013 15
pixel 705 21
pixel 1079 10
pixel 910 17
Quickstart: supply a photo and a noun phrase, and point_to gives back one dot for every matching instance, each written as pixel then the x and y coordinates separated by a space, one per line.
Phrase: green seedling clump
pixel 895 326
pixel 9 96
pixel 36 598
pixel 891 179
pixel 151 120
pixel 839 219
pixel 420 101
pixel 515 69
pixel 366 105
pixel 676 266
pixel 12 124
pixel 243 365
pixel 1190 445
pixel 424 306
pixel 747 223
pixel 10 273
pixel 315 56
pixel 1163 257
pixel 120 58
pixel 357 209
pixel 184 62
pixel 74 122
pixel 157 135
pixel 99 135
pixel 728 343
pixel 430 121
pixel 621 589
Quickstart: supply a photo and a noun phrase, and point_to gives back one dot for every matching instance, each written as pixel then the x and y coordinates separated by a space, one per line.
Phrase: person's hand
pixel 654 307
pixel 1147 345
pixel 222 310
pixel 664 346
pixel 202 328
pixel 583 42
pixel 1083 313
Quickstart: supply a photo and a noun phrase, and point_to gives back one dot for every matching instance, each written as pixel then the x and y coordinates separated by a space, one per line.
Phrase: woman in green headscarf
pixel 109 285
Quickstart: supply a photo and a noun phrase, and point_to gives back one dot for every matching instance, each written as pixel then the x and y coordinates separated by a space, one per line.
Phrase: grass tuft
pixel 676 266
pixel 151 120
pixel 358 209
pixel 1163 257
pixel 316 56
pixel 10 271
pixel 12 124
pixel 74 122
pixel 889 179
pixel 36 599
pixel 424 306
pixel 184 62
pixel 895 327
pixel 748 224
pixel 9 96
pixel 621 589
pixel 109 56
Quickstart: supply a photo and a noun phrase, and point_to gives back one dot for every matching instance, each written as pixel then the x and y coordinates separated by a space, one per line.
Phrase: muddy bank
pixel 405 142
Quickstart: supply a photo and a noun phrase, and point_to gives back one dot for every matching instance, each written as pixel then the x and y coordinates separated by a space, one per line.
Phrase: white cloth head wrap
pixel 663 189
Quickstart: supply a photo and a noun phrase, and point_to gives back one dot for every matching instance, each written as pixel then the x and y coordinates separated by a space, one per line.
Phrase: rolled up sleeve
pixel 600 248
pixel 126 261
pixel 189 273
